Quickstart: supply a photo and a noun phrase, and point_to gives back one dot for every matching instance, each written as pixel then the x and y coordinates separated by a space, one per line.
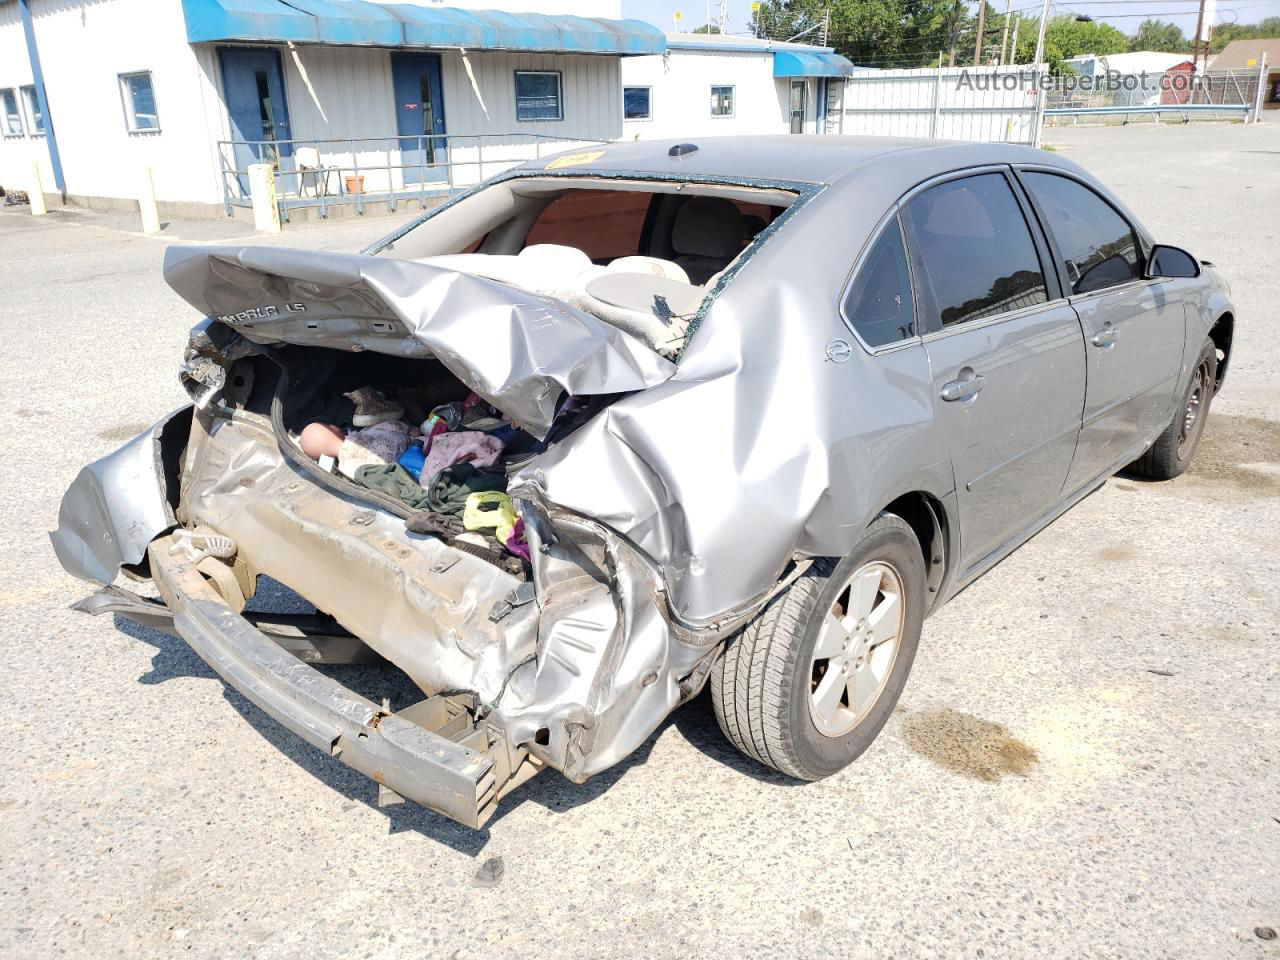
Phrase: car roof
pixel 804 159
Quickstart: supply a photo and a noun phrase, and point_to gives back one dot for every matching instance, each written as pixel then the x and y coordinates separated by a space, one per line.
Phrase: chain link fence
pixel 1177 95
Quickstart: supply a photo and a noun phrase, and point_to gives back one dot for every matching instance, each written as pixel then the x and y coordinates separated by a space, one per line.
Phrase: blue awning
pixel 799 63
pixel 358 23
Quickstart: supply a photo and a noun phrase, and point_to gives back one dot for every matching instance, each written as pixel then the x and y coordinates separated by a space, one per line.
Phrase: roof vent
pixel 681 149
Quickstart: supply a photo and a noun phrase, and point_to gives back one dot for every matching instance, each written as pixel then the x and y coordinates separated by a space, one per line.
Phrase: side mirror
pixel 1170 262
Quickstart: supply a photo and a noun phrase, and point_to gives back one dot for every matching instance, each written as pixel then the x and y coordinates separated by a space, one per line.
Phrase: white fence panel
pixel 999 104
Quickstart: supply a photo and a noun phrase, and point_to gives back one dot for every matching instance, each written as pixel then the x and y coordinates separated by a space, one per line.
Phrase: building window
pixel 35 119
pixel 538 95
pixel 139 102
pixel 722 101
pixel 12 119
pixel 636 103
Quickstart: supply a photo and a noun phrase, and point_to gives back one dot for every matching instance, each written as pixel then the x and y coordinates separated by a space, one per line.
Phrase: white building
pixel 1141 71
pixel 711 84
pixel 348 99
pixel 1139 61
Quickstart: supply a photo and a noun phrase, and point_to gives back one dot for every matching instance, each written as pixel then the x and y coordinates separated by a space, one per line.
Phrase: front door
pixel 253 84
pixel 1007 363
pixel 1133 328
pixel 415 79
pixel 799 103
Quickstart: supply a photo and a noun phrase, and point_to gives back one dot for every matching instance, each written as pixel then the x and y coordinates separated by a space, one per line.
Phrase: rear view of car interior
pixel 640 255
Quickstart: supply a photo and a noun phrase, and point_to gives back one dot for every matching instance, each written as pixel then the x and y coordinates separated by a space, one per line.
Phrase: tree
pixel 1159 35
pixel 1262 30
pixel 1066 37
pixel 878 33
pixel 707 28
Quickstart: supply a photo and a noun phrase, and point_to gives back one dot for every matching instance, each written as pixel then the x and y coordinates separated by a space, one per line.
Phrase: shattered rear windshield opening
pixel 641 255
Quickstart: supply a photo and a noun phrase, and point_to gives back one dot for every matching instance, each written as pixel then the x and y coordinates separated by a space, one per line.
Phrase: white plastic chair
pixel 312 172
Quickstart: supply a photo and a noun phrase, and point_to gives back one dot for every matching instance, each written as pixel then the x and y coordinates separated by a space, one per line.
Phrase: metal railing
pixel 1120 98
pixel 320 173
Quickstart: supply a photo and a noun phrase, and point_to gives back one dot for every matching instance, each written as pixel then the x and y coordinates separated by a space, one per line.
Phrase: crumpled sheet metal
pixel 117 505
pixel 758 448
pixel 610 666
pixel 416 601
pixel 519 351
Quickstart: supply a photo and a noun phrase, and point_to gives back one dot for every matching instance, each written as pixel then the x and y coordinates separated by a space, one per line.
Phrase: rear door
pixel 1006 354
pixel 1133 331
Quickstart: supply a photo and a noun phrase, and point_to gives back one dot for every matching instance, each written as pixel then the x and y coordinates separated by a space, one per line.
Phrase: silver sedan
pixel 637 419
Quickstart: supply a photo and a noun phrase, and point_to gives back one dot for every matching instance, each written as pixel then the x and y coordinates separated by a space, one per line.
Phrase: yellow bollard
pixel 36 193
pixel 262 189
pixel 147 202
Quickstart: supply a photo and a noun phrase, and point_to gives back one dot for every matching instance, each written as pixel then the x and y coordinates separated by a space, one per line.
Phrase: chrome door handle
pixel 964 387
pixel 1104 337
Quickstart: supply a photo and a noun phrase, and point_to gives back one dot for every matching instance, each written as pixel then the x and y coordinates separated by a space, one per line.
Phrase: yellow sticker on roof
pixel 575 159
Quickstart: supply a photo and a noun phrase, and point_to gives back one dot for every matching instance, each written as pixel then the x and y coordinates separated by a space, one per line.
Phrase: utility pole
pixel 1195 47
pixel 1044 21
pixel 1004 37
pixel 977 44
pixel 1013 47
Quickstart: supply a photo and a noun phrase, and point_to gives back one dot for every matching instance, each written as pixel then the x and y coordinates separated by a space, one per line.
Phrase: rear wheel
pixel 1171 454
pixel 809 683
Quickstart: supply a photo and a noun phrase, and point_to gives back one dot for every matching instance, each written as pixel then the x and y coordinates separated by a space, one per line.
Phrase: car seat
pixel 708 233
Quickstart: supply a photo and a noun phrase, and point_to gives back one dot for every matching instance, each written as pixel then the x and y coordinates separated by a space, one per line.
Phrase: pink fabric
pixel 382 443
pixel 466 446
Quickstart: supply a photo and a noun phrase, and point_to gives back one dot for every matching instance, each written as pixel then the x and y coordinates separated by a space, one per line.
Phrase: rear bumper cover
pixel 408 759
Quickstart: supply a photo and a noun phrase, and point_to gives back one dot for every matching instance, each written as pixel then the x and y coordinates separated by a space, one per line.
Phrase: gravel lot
pixel 1085 763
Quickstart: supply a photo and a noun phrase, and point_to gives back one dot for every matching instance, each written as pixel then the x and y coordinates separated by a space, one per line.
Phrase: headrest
pixel 955 212
pixel 708 227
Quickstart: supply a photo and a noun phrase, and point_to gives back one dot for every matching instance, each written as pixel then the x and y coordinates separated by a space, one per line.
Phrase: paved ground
pixel 1086 764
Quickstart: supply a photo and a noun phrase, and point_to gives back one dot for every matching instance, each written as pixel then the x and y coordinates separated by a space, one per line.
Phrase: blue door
pixel 415 83
pixel 253 84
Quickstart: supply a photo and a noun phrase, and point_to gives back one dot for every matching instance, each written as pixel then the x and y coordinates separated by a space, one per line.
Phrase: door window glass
pixel 1097 245
pixel 799 88
pixel 879 303
pixel 973 250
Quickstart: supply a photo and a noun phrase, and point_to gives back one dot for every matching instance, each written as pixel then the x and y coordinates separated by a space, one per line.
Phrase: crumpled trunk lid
pixel 517 350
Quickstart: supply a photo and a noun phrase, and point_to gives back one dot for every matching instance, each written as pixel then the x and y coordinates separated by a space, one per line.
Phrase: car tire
pixel 1174 449
pixel 768 688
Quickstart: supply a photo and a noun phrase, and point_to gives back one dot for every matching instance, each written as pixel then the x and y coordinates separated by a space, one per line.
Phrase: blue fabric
pixel 356 22
pixel 413 459
pixel 797 63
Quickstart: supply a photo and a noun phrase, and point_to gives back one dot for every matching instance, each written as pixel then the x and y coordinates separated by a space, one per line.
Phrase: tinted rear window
pixel 973 249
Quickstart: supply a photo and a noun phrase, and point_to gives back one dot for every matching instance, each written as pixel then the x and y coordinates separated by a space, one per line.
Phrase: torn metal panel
pixel 119 504
pixel 611 664
pixel 413 599
pixel 519 351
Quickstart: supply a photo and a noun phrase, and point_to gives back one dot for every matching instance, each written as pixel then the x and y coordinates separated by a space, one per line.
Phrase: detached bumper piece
pixel 431 753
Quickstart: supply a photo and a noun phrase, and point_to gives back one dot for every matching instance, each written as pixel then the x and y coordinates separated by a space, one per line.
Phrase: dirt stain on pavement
pixel 967 744
pixel 1117 553
pixel 1237 451
pixel 126 431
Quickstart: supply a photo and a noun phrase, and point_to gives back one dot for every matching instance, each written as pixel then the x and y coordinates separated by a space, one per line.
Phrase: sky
pixel 1123 14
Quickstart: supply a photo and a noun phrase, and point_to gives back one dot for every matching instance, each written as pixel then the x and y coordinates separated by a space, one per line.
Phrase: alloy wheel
pixel 856 648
